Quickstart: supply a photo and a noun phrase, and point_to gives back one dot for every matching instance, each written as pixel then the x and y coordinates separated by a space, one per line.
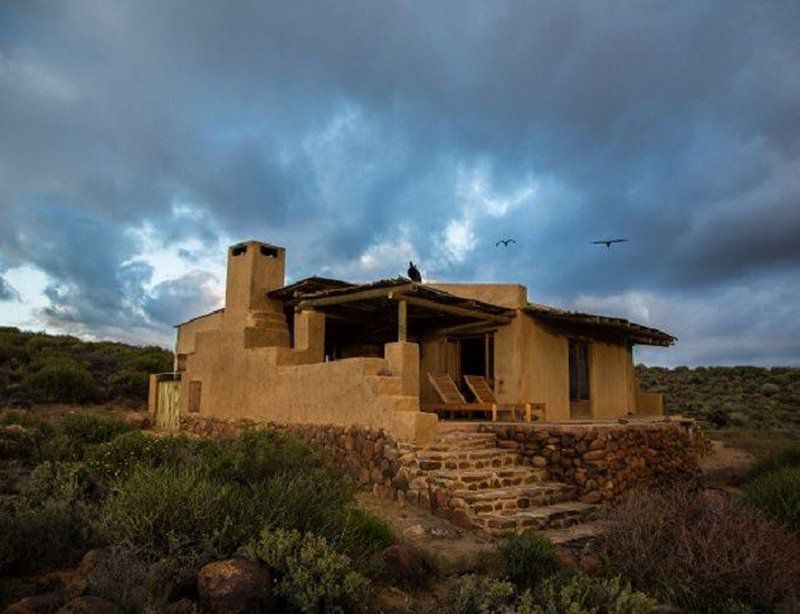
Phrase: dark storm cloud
pixel 7 291
pixel 336 128
pixel 178 300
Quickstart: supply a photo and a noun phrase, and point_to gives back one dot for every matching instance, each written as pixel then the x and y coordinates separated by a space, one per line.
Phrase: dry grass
pixel 700 551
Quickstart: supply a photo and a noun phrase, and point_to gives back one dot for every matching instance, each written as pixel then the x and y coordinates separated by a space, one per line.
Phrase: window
pixel 194 396
pixel 578 370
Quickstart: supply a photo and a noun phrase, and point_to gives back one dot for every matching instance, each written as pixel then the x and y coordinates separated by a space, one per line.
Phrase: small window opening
pixel 269 252
pixel 239 250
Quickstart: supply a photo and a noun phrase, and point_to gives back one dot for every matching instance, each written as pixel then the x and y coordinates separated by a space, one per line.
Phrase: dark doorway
pixel 473 356
pixel 580 406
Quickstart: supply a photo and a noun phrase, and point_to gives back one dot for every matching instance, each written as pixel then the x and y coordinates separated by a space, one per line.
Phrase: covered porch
pixel 361 321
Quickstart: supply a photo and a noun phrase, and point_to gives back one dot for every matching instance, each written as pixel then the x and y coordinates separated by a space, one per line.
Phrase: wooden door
pixel 167 405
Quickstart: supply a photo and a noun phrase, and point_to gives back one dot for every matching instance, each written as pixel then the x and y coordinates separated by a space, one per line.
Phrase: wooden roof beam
pixel 464 312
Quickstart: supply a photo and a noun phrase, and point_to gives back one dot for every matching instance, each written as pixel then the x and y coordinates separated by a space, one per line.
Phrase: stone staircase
pixel 468 478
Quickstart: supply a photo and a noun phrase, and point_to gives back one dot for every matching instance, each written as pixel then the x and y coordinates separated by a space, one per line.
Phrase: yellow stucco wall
pixel 186 332
pixel 611 380
pixel 512 296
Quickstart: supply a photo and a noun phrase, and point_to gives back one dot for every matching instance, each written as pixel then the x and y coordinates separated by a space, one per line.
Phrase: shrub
pixel 50 524
pixel 70 484
pixel 312 577
pixel 777 493
pixel 61 382
pixel 587 595
pixel 163 511
pixel 473 593
pixel 256 456
pixel 115 459
pixel 34 538
pixel 529 559
pixel 68 439
pixel 788 457
pixel 698 551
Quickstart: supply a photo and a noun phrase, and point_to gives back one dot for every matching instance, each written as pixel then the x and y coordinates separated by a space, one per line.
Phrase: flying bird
pixel 608 242
pixel 505 242
pixel 413 273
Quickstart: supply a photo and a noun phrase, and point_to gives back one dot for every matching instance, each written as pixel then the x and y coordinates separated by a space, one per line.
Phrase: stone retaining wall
pixel 605 461
pixel 371 456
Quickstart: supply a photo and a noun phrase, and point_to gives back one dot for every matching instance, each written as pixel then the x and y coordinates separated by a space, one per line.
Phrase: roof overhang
pixel 429 308
pixel 635 333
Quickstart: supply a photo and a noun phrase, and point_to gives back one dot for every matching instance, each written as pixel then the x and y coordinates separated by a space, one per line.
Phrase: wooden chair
pixel 484 393
pixel 451 398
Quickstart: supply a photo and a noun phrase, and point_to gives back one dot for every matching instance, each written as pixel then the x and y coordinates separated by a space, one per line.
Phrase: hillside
pixel 729 396
pixel 61 369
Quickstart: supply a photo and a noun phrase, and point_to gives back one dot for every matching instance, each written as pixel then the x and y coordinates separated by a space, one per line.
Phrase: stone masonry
pixel 502 478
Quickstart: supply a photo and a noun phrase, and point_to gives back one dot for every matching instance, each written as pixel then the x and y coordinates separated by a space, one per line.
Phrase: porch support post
pixel 402 320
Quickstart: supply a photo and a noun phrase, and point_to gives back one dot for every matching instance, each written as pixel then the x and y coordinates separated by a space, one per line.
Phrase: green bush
pixel 164 511
pixel 69 439
pixel 529 559
pixel 61 382
pixel 51 523
pixel 777 494
pixel 42 537
pixel 587 595
pixel 256 456
pixel 115 459
pixel 312 577
pixel 70 484
pixel 473 594
pixel 788 457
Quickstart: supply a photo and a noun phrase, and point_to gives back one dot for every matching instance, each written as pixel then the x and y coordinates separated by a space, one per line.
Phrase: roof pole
pixel 402 320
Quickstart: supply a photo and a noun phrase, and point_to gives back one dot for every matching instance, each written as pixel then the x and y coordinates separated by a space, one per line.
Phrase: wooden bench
pixel 484 393
pixel 452 400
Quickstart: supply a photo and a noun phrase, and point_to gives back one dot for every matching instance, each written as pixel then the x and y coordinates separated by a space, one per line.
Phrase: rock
pixel 49 602
pixel 168 580
pixel 184 606
pixel 89 605
pixel 234 585
pixel 405 564
pixel 592 497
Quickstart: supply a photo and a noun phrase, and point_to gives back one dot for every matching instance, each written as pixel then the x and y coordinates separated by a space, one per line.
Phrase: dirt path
pixel 453 550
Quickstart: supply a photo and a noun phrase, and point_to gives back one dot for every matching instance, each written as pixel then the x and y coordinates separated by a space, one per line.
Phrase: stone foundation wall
pixel 371 456
pixel 605 461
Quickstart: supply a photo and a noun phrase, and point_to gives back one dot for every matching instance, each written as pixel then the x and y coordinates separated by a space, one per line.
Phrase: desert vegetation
pixel 41 368
pixel 755 397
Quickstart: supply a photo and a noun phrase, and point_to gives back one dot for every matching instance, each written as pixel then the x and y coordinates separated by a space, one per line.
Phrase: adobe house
pixel 324 351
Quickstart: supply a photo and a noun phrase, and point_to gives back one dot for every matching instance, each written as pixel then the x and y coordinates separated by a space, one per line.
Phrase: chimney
pixel 254 268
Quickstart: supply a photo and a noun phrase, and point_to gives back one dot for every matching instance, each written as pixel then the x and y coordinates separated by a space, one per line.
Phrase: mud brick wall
pixel 605 461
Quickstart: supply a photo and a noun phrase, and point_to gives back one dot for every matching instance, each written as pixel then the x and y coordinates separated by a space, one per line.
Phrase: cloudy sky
pixel 139 138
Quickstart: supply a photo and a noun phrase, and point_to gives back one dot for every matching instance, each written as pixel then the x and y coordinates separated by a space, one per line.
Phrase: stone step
pixel 432 460
pixel 457 440
pixel 558 515
pixel 483 502
pixel 485 479
pixel 385 384
pixel 576 535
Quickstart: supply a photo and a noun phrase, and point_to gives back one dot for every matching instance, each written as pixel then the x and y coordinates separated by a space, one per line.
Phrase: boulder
pixel 89 605
pixel 184 606
pixel 36 604
pixel 234 585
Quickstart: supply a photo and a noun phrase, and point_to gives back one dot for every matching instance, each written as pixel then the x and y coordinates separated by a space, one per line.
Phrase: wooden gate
pixel 168 404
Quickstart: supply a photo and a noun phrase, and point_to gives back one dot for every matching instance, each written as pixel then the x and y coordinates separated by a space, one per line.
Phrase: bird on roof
pixel 413 273
pixel 505 242
pixel 608 242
